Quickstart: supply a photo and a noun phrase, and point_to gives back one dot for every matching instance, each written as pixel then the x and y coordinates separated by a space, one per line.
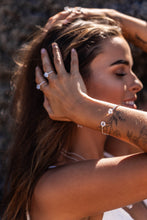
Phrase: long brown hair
pixel 38 139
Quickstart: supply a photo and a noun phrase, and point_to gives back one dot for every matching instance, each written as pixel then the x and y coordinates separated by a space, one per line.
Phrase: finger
pixel 76 12
pixel 47 66
pixel 70 17
pixel 60 16
pixel 58 61
pixel 74 68
pixel 41 83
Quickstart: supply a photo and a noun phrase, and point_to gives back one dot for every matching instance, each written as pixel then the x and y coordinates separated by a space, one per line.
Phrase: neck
pixel 88 143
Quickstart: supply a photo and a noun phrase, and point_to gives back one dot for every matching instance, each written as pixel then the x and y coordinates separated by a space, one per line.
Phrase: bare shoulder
pixel 87 187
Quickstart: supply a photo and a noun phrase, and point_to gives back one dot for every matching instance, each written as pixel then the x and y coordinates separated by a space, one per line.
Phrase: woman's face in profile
pixel 111 78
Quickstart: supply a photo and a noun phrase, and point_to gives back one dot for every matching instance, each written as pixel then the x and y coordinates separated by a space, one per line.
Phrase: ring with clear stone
pixel 67 8
pixel 38 85
pixel 46 74
pixel 77 10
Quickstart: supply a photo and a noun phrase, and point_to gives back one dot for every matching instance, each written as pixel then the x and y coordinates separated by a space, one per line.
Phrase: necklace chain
pixel 70 154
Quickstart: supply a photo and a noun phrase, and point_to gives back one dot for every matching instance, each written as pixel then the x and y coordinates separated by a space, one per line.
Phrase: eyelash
pixel 120 74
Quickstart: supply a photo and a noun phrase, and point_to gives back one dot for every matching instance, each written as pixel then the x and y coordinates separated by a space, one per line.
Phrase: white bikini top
pixel 117 214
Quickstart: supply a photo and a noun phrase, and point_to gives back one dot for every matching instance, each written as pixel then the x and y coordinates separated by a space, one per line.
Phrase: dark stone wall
pixel 17 22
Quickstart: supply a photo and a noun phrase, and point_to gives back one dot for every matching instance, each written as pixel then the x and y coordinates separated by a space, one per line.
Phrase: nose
pixel 136 85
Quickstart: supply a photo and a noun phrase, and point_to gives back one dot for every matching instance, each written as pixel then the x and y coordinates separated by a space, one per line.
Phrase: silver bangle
pixel 103 123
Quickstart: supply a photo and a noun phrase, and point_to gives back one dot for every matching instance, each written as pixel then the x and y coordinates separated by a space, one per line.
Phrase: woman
pixel 44 177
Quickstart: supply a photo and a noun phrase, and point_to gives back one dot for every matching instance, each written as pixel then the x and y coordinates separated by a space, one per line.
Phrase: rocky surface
pixel 17 22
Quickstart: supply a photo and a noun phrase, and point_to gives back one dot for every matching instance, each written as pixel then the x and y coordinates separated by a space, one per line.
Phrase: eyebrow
pixel 125 62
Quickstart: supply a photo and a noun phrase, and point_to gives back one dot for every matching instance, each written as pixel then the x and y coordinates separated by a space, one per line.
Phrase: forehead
pixel 113 49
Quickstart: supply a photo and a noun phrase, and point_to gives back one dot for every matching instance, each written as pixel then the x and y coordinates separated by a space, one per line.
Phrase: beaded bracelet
pixel 103 123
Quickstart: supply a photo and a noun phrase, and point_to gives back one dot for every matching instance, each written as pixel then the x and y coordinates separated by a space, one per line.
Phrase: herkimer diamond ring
pixel 77 10
pixel 46 74
pixel 38 85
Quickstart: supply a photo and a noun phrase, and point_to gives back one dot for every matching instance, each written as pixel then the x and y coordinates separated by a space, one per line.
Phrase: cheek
pixel 107 89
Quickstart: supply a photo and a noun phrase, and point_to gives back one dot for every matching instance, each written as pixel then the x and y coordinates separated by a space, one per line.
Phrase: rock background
pixel 17 21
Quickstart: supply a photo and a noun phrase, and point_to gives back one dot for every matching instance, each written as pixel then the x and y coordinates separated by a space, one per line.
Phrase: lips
pixel 130 104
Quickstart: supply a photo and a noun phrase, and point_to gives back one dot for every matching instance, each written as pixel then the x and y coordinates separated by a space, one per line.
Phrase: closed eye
pixel 120 74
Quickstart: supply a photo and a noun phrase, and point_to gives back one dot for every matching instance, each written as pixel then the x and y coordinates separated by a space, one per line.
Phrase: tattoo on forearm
pixel 141 138
pixel 133 139
pixel 117 116
pixel 116 133
pixel 111 129
pixel 114 119
pixel 143 134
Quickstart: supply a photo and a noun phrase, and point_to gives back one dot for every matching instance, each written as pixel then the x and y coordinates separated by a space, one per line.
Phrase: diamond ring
pixel 77 10
pixel 38 85
pixel 46 74
pixel 68 9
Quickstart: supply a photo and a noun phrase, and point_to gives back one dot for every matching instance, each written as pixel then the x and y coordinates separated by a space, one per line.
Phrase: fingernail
pixel 54 45
pixel 73 50
pixel 43 50
pixel 65 21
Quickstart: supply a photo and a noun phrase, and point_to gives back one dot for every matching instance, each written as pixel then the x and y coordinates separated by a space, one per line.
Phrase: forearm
pixel 124 123
pixel 134 29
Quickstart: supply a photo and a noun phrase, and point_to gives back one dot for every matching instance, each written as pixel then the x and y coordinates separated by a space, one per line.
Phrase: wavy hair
pixel 38 139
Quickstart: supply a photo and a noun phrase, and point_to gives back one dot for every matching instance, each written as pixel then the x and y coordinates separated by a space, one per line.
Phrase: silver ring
pixel 38 85
pixel 78 10
pixel 67 8
pixel 46 74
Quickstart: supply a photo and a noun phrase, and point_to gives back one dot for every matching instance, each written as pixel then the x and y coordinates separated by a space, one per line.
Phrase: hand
pixel 63 91
pixel 64 17
pixel 61 16
pixel 92 12
pixel 71 13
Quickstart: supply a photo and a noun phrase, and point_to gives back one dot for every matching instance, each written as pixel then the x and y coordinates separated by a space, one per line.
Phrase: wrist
pixel 78 111
pixel 86 111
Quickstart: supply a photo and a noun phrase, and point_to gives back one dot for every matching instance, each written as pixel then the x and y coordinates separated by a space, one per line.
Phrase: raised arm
pixel 134 29
pixel 67 100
